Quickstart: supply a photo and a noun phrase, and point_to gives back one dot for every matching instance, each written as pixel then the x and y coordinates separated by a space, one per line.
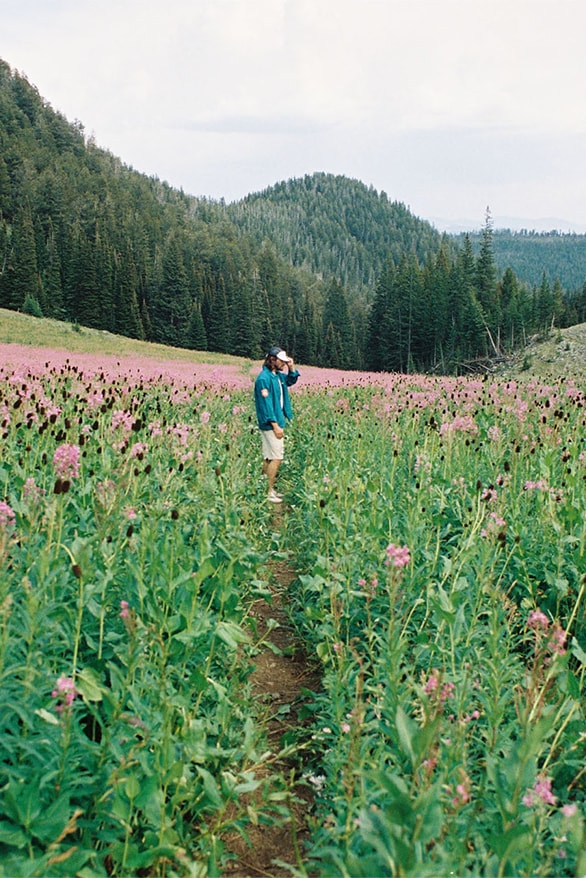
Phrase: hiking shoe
pixel 273 497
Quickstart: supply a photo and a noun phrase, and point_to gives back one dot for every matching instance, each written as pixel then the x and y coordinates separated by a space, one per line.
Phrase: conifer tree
pixel 467 337
pixel 378 330
pixel 83 293
pixel 487 290
pixel 171 304
pixel 339 339
pixel 126 310
pixel 4 263
pixel 307 335
pixel 218 325
pixel 434 307
pixel 52 278
pixel 512 319
pixel 197 339
pixel 5 193
pixel 242 334
pixel 332 355
pixel 23 274
pixel 544 305
pixel 264 331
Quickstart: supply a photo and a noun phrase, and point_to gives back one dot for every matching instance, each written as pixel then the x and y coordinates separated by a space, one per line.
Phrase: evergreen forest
pixel 329 268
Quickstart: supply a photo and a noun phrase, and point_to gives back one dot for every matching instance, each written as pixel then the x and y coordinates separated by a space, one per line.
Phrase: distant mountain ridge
pixel 510 223
pixel 337 226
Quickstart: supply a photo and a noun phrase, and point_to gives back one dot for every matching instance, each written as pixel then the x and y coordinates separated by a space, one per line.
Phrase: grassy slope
pixel 563 355
pixel 23 329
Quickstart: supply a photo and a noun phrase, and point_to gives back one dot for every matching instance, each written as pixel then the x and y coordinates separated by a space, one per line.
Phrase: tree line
pixel 87 239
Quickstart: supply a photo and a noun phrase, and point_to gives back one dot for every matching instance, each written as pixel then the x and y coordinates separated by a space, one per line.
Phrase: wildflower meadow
pixel 437 530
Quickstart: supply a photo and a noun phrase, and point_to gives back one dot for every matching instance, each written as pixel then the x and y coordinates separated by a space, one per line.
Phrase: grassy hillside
pixel 562 355
pixel 22 329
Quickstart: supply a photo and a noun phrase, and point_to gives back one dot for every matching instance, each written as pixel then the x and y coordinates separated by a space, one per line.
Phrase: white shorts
pixel 272 448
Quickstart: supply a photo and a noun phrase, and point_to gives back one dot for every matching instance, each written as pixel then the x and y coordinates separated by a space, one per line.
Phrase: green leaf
pixel 51 822
pixel 22 802
pixel 12 835
pixel 88 683
pixel 206 569
pixel 505 844
pixel 232 634
pixel 578 652
pixel 406 730
pixel 323 650
pixel 569 685
pixel 47 716
pixel 210 787
pixel 132 787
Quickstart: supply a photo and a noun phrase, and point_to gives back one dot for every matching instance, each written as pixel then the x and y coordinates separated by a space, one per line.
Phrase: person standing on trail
pixel 273 410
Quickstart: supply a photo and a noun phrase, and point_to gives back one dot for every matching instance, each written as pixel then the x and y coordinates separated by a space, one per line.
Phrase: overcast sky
pixel 449 106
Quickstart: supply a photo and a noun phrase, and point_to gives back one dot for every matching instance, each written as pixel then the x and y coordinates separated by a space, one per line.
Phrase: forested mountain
pixel 87 239
pixel 336 227
pixel 323 265
pixel 561 256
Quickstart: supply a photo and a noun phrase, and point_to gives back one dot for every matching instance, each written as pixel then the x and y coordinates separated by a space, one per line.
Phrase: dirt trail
pixel 278 680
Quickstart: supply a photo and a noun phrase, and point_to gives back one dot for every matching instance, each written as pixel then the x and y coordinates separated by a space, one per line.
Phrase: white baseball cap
pixel 276 351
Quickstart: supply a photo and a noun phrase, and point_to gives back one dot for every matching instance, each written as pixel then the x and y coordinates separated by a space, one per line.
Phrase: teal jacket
pixel 267 397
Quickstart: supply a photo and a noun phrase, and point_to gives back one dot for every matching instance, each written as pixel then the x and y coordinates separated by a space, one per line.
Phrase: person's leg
pixel 272 457
pixel 272 468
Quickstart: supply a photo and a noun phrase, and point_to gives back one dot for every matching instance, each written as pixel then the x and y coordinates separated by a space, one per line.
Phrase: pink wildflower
pixel 345 728
pixel 569 810
pixel 66 461
pixel 558 640
pixel 31 490
pixel 398 556
pixel 539 485
pixel 204 417
pixel 460 424
pixel 431 684
pixel 538 621
pixel 541 792
pixel 223 428
pixel 138 450
pixel 7 515
pixel 463 793
pixel 124 611
pixel 447 691
pixel 495 526
pixel 65 691
pixel 122 420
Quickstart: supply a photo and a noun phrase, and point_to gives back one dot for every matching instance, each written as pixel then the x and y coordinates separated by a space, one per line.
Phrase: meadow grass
pixel 24 329
pixel 437 527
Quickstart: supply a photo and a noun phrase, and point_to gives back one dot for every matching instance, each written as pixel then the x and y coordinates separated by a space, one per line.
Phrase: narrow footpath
pixel 278 681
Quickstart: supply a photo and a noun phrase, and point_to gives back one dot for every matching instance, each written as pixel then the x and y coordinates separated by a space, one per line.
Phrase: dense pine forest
pixel 331 269
pixel 530 253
